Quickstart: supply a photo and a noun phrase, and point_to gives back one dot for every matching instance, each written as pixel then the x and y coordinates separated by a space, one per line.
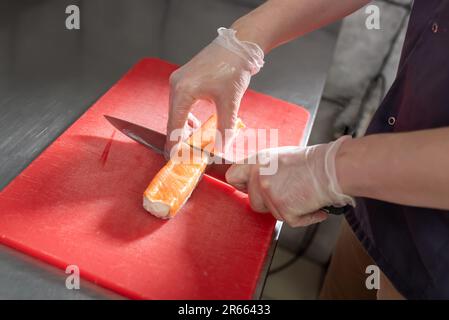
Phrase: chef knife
pixel 156 141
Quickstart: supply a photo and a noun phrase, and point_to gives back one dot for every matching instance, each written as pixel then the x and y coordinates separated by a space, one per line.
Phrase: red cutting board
pixel 80 202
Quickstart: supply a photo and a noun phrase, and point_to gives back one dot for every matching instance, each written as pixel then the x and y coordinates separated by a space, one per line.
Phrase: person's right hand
pixel 293 183
pixel 220 73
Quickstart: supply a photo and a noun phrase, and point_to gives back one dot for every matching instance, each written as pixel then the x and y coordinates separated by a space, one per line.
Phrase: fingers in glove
pixel 193 121
pixel 192 124
pixel 226 119
pixel 255 194
pixel 238 176
pixel 269 203
pixel 307 219
pixel 180 103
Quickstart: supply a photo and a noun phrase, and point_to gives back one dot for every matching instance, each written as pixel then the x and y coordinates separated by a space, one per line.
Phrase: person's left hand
pixel 292 183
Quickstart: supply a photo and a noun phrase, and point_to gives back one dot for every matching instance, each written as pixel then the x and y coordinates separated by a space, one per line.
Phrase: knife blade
pixel 156 141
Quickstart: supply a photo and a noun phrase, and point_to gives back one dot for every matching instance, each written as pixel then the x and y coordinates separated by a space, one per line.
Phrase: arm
pixel 279 21
pixel 409 168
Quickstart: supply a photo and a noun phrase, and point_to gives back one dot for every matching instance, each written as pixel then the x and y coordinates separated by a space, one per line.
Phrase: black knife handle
pixel 336 211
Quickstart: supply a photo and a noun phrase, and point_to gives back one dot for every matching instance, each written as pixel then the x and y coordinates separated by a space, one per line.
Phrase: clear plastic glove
pixel 304 181
pixel 220 73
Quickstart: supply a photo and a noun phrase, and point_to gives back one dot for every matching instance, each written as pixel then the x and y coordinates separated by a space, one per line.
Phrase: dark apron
pixel 410 244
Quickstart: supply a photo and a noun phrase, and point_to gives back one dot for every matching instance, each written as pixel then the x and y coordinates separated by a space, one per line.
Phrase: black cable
pixel 303 247
pixel 341 102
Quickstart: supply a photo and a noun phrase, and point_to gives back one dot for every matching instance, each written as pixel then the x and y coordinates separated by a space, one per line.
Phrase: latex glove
pixel 220 73
pixel 304 181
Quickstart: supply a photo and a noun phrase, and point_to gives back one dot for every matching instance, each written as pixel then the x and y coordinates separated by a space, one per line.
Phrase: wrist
pixel 336 193
pixel 253 34
pixel 344 167
pixel 252 55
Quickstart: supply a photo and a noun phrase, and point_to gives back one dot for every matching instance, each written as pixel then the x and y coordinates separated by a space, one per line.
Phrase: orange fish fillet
pixel 175 182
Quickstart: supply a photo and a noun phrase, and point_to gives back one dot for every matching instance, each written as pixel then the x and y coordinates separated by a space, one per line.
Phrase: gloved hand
pixel 220 73
pixel 292 183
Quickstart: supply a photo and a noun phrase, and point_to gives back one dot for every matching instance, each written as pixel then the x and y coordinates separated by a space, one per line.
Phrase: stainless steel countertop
pixel 49 76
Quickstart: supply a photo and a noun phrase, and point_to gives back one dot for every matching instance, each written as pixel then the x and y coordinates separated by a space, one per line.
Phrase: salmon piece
pixel 175 182
pixel 173 185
